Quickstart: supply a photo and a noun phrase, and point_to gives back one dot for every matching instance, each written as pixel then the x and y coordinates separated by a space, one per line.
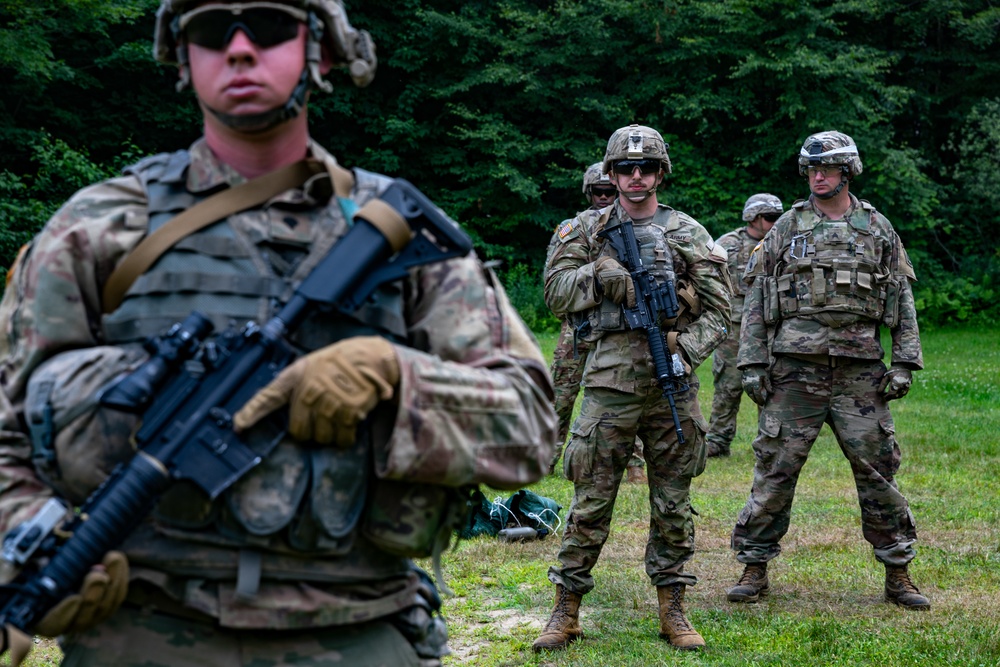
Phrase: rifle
pixel 187 393
pixel 654 303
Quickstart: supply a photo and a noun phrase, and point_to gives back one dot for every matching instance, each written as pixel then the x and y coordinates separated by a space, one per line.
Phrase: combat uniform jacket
pixel 738 245
pixel 473 403
pixel 690 254
pixel 824 287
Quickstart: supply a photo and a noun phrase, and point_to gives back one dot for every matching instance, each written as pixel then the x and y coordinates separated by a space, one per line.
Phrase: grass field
pixel 826 606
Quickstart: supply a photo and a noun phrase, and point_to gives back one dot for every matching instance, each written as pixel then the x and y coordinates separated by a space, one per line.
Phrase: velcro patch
pixel 567 229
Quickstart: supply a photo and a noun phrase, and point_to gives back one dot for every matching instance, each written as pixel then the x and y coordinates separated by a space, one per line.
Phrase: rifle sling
pixel 211 210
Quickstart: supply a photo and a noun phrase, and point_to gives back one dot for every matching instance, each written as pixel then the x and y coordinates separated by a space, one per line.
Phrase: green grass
pixel 826 607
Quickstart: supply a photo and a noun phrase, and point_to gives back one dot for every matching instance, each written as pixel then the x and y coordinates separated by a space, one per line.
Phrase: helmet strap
pixel 836 191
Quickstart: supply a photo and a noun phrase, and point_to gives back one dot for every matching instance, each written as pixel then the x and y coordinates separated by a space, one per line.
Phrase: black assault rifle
pixel 187 392
pixel 654 303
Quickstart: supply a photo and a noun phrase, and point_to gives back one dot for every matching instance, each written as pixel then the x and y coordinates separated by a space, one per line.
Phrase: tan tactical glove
pixel 757 384
pixel 895 383
pixel 329 391
pixel 615 281
pixel 102 592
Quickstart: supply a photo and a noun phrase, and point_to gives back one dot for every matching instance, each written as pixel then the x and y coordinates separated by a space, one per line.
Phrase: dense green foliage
pixel 495 108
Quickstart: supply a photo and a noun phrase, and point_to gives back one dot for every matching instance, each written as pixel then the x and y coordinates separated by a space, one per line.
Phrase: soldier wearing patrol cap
pixel 307 558
pixel 759 214
pixel 827 277
pixel 621 396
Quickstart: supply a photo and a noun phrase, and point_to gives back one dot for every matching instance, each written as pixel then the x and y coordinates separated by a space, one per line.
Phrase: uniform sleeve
pixel 906 350
pixel 570 285
pixel 708 273
pixel 475 397
pixel 754 350
pixel 52 304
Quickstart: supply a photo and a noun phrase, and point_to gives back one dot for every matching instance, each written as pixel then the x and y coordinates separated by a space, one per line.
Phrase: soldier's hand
pixel 615 281
pixel 895 383
pixel 329 391
pixel 102 592
pixel 757 384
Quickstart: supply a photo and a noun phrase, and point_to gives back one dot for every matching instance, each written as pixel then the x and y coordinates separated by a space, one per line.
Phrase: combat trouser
pixel 601 444
pixel 844 394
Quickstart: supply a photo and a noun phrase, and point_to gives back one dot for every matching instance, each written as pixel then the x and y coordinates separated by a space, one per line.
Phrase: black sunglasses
pixel 214 28
pixel 603 192
pixel 770 217
pixel 626 167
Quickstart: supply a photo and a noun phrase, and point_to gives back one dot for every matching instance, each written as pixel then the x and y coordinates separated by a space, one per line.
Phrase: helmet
pixel 327 22
pixel 636 142
pixel 760 203
pixel 594 176
pixel 830 148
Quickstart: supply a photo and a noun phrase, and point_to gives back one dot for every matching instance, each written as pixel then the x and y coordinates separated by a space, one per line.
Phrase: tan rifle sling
pixel 211 210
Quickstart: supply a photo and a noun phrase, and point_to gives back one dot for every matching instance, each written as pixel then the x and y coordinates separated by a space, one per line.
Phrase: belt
pixel 822 359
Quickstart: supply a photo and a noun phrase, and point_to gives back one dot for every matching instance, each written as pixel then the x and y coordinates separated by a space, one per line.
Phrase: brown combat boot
pixel 900 590
pixel 674 626
pixel 564 626
pixel 752 585
pixel 635 475
pixel 717 450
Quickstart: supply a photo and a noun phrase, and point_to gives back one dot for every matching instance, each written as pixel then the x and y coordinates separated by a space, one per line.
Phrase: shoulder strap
pixel 208 211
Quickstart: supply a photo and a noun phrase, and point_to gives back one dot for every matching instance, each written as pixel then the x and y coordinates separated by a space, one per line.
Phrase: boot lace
pixel 676 611
pixel 902 581
pixel 561 611
pixel 751 575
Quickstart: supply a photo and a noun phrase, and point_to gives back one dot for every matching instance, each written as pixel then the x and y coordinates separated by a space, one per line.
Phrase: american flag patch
pixel 566 229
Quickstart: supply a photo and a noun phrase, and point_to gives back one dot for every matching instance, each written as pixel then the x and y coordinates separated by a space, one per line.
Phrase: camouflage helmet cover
pixel 759 204
pixel 593 176
pixel 835 148
pixel 636 142
pixel 347 46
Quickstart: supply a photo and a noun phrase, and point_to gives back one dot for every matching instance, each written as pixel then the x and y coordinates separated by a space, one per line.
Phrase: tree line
pixel 495 108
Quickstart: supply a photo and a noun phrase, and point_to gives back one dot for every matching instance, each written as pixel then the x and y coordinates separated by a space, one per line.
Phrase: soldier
pixel 759 212
pixel 829 274
pixel 570 355
pixel 621 396
pixel 284 566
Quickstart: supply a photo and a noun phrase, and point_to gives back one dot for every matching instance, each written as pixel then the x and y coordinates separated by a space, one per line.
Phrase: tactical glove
pixel 757 384
pixel 329 391
pixel 102 592
pixel 615 281
pixel 895 383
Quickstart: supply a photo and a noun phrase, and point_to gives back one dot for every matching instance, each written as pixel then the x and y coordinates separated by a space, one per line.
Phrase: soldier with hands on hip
pixel 306 558
pixel 759 213
pixel 570 355
pixel 621 396
pixel 825 279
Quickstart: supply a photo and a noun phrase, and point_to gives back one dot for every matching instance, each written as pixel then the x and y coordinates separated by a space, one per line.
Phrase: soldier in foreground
pixel 759 213
pixel 570 355
pixel 621 396
pixel 824 280
pixel 292 563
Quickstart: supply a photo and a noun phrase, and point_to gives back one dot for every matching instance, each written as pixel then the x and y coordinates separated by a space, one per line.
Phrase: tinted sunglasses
pixel 626 167
pixel 770 217
pixel 603 192
pixel 265 24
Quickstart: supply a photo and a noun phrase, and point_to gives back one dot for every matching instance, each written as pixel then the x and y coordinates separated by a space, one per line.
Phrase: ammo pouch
pixel 769 296
pixel 890 316
pixel 410 519
pixel 76 442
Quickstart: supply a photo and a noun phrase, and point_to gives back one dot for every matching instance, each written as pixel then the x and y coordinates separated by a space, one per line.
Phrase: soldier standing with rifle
pixel 830 273
pixel 644 349
pixel 570 355
pixel 306 557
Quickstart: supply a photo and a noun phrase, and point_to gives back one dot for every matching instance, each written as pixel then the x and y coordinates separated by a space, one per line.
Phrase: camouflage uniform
pixel 622 398
pixel 473 406
pixel 820 289
pixel 568 361
pixel 726 376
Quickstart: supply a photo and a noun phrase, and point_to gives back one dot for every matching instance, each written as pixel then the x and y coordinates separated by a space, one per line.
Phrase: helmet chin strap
pixel 836 191
pixel 266 120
